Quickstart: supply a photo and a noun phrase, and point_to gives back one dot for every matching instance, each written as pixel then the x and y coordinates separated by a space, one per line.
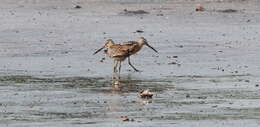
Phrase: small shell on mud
pixel 125 118
pixel 199 7
pixel 146 94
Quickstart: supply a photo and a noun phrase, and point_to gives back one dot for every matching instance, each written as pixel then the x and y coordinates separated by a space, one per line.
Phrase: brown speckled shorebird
pixel 119 52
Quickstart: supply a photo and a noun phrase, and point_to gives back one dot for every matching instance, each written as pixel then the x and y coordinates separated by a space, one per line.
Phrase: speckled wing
pixel 129 43
pixel 116 51
pixel 121 52
pixel 131 46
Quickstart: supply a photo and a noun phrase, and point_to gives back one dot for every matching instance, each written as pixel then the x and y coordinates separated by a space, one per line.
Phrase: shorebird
pixel 119 52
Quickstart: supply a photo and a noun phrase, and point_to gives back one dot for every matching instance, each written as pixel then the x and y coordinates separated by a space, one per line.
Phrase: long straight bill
pixel 151 48
pixel 98 50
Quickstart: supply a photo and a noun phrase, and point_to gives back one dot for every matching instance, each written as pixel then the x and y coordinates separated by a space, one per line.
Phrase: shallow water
pixel 81 101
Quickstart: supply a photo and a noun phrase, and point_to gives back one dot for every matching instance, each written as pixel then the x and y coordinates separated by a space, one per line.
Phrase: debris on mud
pixel 187 95
pixel 179 46
pixel 202 97
pixel 139 31
pixel 102 60
pixel 171 57
pixel 172 63
pixel 136 12
pixel 159 15
pixel 125 119
pixel 199 7
pixel 146 94
pixel 214 106
pixel 227 11
pixel 77 7
pixel 247 81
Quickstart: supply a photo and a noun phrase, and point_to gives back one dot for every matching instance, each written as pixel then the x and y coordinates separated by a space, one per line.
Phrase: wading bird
pixel 119 52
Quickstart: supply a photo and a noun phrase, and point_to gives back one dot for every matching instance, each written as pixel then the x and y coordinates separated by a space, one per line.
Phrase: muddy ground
pixel 207 72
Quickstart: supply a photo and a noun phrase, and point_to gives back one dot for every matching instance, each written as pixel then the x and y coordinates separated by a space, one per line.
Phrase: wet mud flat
pixel 79 101
pixel 206 72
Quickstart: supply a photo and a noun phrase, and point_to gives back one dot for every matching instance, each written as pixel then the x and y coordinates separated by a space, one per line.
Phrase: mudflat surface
pixel 207 72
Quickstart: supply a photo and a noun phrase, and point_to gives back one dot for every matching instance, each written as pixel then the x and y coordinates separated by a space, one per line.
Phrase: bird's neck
pixel 141 44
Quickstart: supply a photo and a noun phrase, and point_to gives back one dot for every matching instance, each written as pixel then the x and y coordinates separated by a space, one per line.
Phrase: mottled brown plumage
pixel 119 52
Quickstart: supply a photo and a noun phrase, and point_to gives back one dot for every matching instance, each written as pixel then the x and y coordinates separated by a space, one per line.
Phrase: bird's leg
pixel 115 68
pixel 119 69
pixel 129 62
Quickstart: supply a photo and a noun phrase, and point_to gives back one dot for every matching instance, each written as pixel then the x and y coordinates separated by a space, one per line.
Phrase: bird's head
pixel 142 41
pixel 108 43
